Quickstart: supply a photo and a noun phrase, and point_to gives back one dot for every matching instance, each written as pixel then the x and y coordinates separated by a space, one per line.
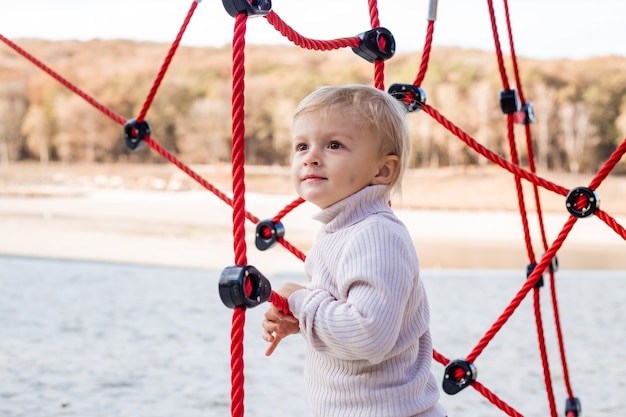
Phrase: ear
pixel 388 170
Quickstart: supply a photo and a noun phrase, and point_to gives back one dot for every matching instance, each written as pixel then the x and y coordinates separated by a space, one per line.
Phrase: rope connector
pixel 552 268
pixel 412 96
pixel 582 202
pixel 249 7
pixel 376 44
pixel 135 133
pixel 509 101
pixel 554 265
pixel 526 115
pixel 458 375
pixel 243 286
pixel 432 10
pixel 573 408
pixel 267 234
pixel 530 268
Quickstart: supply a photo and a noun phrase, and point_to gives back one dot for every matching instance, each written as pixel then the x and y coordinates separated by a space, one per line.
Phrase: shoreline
pixel 187 229
pixel 150 215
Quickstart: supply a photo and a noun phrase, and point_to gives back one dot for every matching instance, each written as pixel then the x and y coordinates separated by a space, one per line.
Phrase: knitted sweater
pixel 365 315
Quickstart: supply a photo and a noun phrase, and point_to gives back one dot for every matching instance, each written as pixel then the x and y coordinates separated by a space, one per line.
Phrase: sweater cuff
pixel 296 299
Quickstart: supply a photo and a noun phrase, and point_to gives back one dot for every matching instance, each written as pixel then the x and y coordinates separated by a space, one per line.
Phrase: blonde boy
pixel 364 313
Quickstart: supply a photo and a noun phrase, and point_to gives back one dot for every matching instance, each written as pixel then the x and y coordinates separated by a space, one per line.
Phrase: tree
pixel 13 107
pixel 574 125
pixel 544 102
pixel 481 92
pixel 206 128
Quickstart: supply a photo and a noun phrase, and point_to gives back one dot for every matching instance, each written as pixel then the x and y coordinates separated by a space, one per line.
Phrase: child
pixel 364 313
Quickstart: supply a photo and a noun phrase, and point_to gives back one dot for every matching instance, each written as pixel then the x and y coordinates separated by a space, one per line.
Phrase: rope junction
pixel 242 286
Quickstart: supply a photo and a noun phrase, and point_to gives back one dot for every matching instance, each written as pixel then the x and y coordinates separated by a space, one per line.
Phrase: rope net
pixel 376 45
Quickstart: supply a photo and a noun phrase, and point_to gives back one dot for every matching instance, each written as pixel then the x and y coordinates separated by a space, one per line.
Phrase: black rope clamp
pixel 509 101
pixel 135 133
pixel 458 375
pixel 579 196
pixel 267 234
pixel 530 268
pixel 526 115
pixel 376 44
pixel 412 96
pixel 243 286
pixel 553 267
pixel 573 408
pixel 249 7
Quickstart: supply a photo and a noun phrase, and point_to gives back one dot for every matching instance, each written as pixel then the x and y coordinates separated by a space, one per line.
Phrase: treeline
pixel 580 106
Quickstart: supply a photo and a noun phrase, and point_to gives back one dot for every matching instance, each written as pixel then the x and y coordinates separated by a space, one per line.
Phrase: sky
pixel 542 29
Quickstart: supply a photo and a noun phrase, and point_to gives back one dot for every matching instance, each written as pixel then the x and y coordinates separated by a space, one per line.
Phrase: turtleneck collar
pixel 354 208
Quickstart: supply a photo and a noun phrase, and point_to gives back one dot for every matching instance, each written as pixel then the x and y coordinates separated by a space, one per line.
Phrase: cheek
pixel 356 175
pixel 294 171
pixel 352 178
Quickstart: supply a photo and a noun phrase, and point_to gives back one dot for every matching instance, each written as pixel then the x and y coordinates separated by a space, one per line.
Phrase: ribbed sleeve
pixel 365 315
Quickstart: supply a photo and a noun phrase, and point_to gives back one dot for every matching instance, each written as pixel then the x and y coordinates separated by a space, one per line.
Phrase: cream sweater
pixel 365 315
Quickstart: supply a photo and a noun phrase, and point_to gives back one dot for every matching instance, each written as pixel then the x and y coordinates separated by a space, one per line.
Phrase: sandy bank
pixel 153 215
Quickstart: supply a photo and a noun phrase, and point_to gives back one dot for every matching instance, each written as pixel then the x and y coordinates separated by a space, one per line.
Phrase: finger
pixel 267 336
pixel 272 346
pixel 272 313
pixel 270 326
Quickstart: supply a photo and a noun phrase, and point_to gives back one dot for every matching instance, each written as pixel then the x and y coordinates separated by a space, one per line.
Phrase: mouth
pixel 312 178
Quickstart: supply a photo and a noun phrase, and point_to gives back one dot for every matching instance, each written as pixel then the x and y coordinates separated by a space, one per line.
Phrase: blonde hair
pixel 370 108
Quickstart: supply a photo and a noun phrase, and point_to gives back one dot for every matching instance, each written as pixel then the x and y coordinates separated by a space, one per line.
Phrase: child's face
pixel 333 158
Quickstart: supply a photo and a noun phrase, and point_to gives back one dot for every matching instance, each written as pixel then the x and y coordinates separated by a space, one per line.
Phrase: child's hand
pixel 278 325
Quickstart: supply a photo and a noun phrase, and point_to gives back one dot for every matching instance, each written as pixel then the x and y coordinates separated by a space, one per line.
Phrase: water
pixel 98 339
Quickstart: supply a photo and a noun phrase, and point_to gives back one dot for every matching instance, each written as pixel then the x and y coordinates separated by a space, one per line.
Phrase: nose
pixel 312 157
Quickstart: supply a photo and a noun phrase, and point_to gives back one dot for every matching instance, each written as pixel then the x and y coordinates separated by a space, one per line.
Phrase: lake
pixel 96 339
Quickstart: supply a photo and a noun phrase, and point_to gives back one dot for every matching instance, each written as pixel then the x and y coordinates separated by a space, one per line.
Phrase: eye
pixel 335 145
pixel 301 147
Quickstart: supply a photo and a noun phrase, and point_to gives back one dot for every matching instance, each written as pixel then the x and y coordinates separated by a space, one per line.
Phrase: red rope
pixel 166 63
pixel 288 208
pixel 428 43
pixel 300 255
pixel 555 309
pixel 492 156
pixel 543 351
pixel 511 136
pixel 520 194
pixel 280 302
pixel 516 73
pixel 306 43
pixel 239 232
pixel 148 140
pixel 530 282
pixel 112 115
pixel 372 5
pixel 518 189
pixel 379 64
pixel 496 39
pixel 238 201
pixel 494 399
pixel 611 222
pixel 238 139
pixel 608 166
pixel 208 186
pixel 236 362
pixel 194 175
pixel 437 356
pixel 560 339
